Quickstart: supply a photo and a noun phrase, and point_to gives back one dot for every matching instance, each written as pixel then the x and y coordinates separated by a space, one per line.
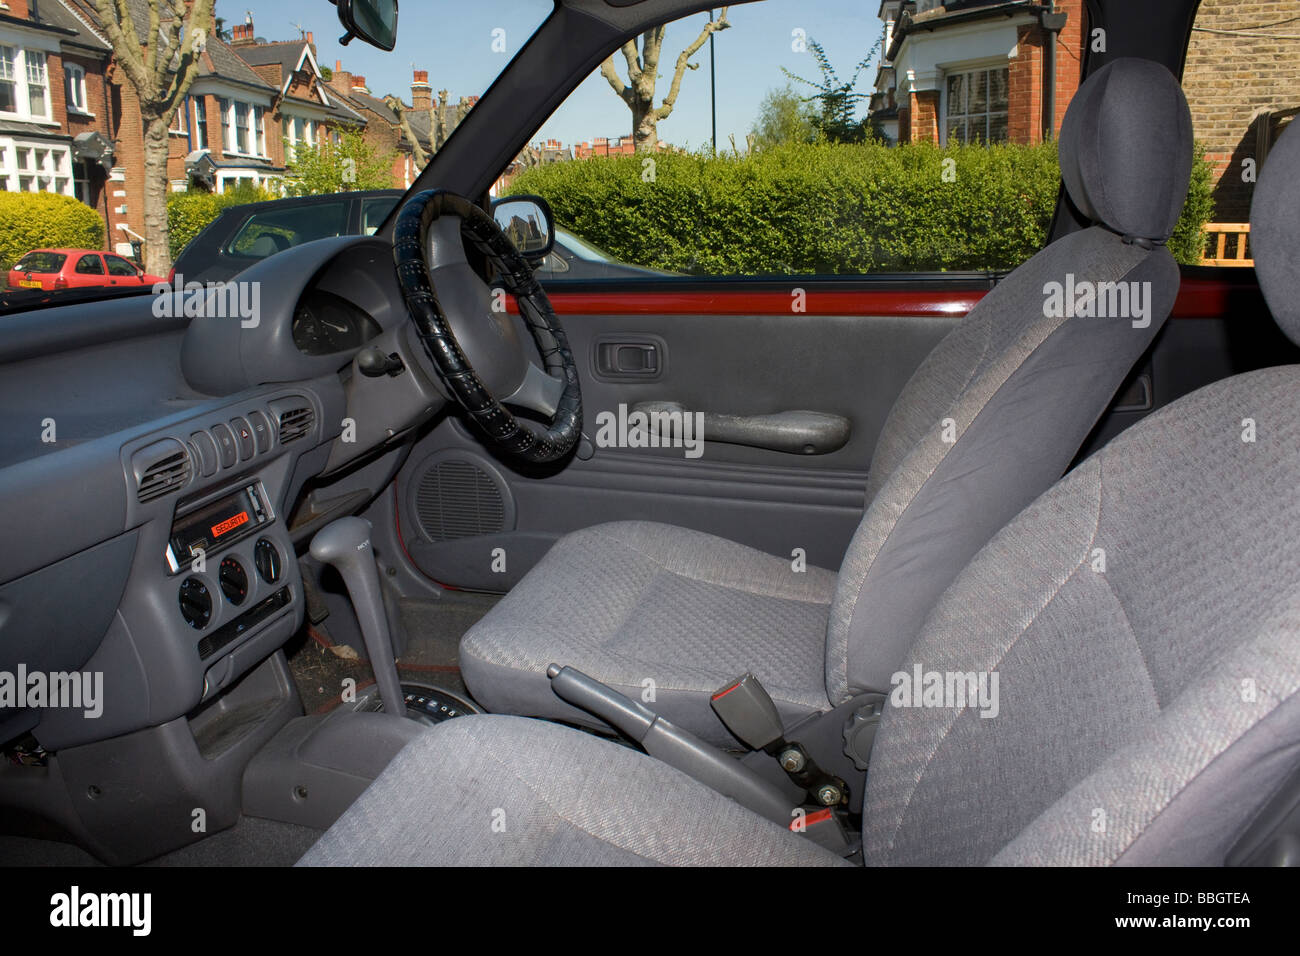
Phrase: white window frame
pixel 253 127
pixel 76 76
pixel 48 167
pixel 202 139
pixel 968 70
pixel 25 68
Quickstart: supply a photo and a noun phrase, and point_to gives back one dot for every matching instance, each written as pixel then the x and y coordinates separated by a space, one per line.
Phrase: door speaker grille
pixel 457 499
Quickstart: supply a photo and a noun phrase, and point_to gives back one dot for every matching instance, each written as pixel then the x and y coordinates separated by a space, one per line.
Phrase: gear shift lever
pixel 345 544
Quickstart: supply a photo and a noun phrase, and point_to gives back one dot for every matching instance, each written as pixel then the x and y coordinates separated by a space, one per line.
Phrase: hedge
pixel 44 220
pixel 824 208
pixel 188 213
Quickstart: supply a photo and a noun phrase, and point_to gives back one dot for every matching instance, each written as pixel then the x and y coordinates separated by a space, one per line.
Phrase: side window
pixel 90 266
pixel 117 266
pixel 374 212
pixel 788 138
pixel 1236 121
pixel 266 233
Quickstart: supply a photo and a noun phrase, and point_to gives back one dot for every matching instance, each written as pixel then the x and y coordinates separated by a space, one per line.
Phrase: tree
pixel 785 117
pixel 160 69
pixel 330 167
pixel 638 92
pixel 836 119
pixel 443 119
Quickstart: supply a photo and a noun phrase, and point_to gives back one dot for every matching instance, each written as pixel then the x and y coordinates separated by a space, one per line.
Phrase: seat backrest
pixel 1142 619
pixel 1001 406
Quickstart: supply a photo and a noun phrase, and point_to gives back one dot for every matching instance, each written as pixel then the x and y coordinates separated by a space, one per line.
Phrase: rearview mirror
pixel 527 220
pixel 373 21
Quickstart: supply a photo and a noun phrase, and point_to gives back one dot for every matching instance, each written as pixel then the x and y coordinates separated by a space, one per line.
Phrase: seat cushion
pixel 628 602
pixel 490 790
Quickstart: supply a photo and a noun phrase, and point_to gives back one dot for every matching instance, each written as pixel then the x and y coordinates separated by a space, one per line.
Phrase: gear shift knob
pixel 345 544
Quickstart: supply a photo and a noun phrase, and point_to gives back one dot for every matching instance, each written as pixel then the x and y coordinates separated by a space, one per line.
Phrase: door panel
pixel 734 349
pixel 469 519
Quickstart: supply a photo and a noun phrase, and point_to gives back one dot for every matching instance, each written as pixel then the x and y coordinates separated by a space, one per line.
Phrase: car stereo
pixel 216 525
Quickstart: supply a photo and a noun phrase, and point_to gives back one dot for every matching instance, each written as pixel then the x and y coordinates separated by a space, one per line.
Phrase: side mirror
pixel 528 221
pixel 372 21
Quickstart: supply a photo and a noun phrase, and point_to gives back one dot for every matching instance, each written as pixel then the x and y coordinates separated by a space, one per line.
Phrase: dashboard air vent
pixel 160 469
pixel 295 422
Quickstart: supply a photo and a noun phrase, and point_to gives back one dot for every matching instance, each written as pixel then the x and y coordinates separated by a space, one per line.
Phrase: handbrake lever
pixel 676 747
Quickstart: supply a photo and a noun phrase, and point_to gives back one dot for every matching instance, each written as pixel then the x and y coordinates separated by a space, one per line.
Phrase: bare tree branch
pixel 683 62
pixel 404 123
pixel 634 63
pixel 610 73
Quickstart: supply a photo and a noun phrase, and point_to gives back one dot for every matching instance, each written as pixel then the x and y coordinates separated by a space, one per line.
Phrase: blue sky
pixel 454 42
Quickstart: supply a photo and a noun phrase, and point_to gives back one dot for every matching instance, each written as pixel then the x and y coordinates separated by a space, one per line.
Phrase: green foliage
pixel 784 117
pixel 1188 240
pixel 45 220
pixel 330 167
pixel 836 119
pixel 820 208
pixel 190 212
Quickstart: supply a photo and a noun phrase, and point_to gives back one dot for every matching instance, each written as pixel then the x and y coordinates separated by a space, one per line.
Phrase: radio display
pixel 226 519
pixel 229 525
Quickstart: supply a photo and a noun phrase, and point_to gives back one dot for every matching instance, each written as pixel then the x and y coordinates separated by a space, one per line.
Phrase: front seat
pixel 991 418
pixel 1147 712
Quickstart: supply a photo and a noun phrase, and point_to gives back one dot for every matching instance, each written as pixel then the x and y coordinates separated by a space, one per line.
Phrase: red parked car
pixel 75 268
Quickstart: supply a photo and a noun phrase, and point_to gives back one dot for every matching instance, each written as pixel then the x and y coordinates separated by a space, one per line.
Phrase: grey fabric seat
pixel 1142 618
pixel 976 434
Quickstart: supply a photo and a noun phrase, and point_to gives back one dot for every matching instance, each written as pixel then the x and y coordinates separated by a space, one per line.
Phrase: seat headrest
pixel 1126 149
pixel 1275 231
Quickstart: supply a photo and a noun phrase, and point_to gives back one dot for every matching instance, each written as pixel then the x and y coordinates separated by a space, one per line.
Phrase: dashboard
pixel 157 528
pixel 325 323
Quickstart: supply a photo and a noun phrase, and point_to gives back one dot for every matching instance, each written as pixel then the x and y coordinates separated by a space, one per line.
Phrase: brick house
pixel 977 70
pixel 304 108
pixel 1242 80
pixel 382 130
pixel 55 105
pixel 221 135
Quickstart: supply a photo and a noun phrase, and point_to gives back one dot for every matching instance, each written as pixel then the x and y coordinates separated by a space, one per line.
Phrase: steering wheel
pixel 452 309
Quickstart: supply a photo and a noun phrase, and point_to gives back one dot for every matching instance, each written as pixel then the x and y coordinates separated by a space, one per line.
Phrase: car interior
pixel 352 574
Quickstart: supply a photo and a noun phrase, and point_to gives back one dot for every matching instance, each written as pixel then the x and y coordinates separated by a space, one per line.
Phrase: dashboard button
pixel 244 436
pixel 226 443
pixel 207 452
pixel 261 431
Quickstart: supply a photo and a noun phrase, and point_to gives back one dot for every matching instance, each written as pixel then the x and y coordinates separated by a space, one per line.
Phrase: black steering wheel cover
pixel 410 240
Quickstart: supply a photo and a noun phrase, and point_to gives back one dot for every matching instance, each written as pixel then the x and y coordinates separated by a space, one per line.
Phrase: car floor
pixel 433 629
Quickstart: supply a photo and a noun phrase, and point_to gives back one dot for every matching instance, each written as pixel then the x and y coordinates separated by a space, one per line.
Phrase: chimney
pixel 341 79
pixel 241 34
pixel 311 40
pixel 421 91
pixel 359 83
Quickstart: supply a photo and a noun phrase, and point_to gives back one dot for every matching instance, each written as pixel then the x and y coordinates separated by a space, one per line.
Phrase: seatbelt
pixel 746 709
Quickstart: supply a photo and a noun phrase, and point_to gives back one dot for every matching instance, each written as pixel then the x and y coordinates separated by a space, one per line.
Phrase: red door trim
pixel 1197 298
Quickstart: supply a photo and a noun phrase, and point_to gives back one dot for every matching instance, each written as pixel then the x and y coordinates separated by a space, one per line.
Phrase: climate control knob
pixel 196 603
pixel 266 558
pixel 234 581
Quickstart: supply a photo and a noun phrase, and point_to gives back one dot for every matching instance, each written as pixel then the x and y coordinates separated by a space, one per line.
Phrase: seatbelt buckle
pixel 824 827
pixel 746 709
